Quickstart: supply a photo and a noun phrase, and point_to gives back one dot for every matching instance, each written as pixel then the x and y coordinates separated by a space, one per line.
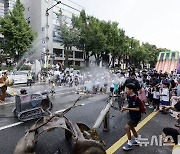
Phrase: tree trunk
pixel 126 61
pixel 113 60
pixel 110 62
pixel 119 62
pixel 87 62
pixel 66 49
pixel 98 59
pixel 87 58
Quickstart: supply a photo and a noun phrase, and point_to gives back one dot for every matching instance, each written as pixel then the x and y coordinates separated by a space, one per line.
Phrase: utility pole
pixel 47 29
pixel 47 35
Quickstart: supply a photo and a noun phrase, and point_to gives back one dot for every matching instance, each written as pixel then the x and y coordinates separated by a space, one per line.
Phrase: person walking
pixel 29 78
pixel 3 87
pixel 134 108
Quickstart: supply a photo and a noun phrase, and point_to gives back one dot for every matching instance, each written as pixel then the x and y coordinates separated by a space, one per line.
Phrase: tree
pixel 96 38
pixel 100 37
pixel 114 40
pixel 92 40
pixel 18 35
pixel 69 35
pixel 81 23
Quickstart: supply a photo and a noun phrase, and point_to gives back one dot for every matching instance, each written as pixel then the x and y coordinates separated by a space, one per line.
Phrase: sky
pixel 153 21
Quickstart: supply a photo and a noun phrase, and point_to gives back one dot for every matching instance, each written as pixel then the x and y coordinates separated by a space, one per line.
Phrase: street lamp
pixel 47 27
pixel 47 24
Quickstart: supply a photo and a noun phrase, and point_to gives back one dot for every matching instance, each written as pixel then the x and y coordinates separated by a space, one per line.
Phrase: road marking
pixel 62 94
pixel 7 103
pixel 56 94
pixel 122 140
pixel 11 125
pixel 18 123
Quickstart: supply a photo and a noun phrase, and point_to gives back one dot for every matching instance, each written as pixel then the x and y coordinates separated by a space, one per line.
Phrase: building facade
pixel 47 27
pixel 5 7
pixel 8 5
pixel 1 8
pixel 1 14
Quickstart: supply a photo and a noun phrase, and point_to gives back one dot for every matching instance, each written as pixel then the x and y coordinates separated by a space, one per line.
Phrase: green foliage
pixel 78 67
pixel 97 37
pixel 18 35
pixel 69 34
pixel 24 67
pixel 9 68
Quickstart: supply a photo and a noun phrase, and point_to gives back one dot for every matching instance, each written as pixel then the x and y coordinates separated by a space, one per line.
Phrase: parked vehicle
pixel 18 77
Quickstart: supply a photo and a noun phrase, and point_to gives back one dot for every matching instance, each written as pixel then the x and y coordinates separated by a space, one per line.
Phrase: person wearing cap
pixel 170 137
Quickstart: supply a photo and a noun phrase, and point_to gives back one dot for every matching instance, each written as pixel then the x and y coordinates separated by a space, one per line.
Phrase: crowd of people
pixel 158 91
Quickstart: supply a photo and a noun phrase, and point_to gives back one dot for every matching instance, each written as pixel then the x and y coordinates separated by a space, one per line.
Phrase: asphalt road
pixel 50 142
pixel 41 87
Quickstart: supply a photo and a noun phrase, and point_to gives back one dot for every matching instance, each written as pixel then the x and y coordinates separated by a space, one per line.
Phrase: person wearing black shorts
pixel 135 115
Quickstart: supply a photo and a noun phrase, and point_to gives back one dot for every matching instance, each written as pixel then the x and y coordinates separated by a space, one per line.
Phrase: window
pixel 70 53
pixel 57 52
pixel 78 54
pixel 77 63
pixel 70 63
pixel 56 36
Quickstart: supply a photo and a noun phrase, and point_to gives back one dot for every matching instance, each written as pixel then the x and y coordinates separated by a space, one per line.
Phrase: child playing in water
pixel 52 84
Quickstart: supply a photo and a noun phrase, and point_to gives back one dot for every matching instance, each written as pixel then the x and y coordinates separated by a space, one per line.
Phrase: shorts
pixel 177 106
pixel 165 103
pixel 111 89
pixel 150 97
pixel 156 101
pixel 132 123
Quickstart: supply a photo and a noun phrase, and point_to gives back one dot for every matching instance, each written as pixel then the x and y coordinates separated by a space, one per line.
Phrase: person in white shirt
pixel 156 98
pixel 165 95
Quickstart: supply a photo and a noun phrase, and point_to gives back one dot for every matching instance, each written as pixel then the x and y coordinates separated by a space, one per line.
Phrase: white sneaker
pixel 150 106
pixel 146 104
pixel 135 143
pixel 127 147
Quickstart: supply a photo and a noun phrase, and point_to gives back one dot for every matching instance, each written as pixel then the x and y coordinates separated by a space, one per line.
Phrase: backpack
pixel 142 108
